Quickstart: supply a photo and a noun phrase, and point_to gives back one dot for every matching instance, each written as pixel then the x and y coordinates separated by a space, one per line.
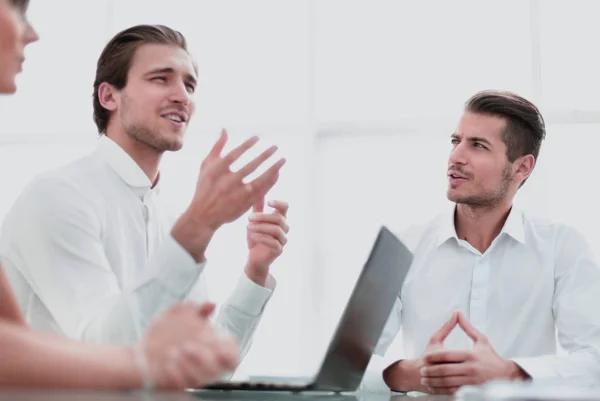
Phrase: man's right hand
pixel 221 195
pixel 405 375
pixel 183 349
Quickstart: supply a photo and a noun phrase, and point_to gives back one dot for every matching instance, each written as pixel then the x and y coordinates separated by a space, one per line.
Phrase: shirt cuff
pixel 537 368
pixel 178 271
pixel 372 381
pixel 251 298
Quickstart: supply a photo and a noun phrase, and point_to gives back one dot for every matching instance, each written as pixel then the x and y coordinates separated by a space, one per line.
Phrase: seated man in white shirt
pixel 89 249
pixel 490 289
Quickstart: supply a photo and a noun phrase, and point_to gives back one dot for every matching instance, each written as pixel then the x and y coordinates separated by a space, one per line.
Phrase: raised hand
pixel 221 194
pixel 266 237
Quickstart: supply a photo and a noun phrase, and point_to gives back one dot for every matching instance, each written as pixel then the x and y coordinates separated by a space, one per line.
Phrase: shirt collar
pixel 126 168
pixel 447 230
pixel 513 226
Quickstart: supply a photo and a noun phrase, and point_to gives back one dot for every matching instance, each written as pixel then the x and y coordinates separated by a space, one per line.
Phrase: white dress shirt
pixel 536 283
pixel 88 251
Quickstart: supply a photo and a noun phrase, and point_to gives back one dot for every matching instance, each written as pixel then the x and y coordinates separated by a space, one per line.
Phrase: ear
pixel 108 96
pixel 525 165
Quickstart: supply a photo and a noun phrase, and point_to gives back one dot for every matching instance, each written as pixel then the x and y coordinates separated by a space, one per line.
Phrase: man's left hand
pixel 266 237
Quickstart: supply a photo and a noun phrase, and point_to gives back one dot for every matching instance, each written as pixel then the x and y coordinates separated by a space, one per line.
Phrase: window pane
pixel 383 60
pixel 570 62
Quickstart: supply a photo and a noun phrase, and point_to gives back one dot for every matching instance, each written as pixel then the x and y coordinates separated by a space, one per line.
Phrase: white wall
pixel 361 98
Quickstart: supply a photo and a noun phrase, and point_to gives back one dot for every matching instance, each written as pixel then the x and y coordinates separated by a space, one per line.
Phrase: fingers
pixel 217 148
pixel 439 336
pixel 201 363
pixel 194 365
pixel 235 154
pixel 469 329
pixel 263 183
pixel 173 374
pixel 444 355
pixel 254 164
pixel 270 230
pixel 270 218
pixel 186 372
pixel 207 309
pixel 208 362
pixel 447 370
pixel 440 385
pixel 443 383
pixel 280 206
pixel 269 241
pixel 259 206
pixel 228 354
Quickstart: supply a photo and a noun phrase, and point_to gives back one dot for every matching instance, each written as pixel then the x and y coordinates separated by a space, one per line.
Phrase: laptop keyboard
pixel 256 386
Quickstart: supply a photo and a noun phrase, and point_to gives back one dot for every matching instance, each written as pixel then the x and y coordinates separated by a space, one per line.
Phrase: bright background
pixel 360 96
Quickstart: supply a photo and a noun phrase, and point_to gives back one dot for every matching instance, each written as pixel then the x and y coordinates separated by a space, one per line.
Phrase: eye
pixel 454 141
pixel 160 79
pixel 479 145
pixel 191 88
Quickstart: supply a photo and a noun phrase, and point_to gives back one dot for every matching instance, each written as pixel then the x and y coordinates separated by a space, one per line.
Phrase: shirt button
pixel 477 294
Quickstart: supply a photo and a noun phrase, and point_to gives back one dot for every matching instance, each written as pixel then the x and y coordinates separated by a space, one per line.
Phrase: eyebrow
pixel 169 70
pixel 473 139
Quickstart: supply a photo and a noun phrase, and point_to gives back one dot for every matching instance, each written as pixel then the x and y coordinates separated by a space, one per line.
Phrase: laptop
pixel 359 329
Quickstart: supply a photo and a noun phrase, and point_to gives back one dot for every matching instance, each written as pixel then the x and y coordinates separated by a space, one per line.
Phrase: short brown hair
pixel 525 126
pixel 115 61
pixel 22 5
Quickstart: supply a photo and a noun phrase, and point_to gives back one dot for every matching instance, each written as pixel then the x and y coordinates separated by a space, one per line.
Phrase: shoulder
pixel 427 231
pixel 64 191
pixel 551 232
pixel 568 244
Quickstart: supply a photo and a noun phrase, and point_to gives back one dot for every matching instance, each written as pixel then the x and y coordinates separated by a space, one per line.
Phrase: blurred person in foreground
pixel 180 349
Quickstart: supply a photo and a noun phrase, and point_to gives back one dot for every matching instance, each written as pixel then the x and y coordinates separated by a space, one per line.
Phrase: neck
pixel 480 225
pixel 146 157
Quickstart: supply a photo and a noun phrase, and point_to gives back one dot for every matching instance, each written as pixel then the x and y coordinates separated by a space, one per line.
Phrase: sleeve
pixel 63 259
pixel 575 309
pixel 241 312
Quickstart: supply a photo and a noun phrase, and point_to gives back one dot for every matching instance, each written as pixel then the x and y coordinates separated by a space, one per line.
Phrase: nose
pixel 458 155
pixel 180 94
pixel 30 34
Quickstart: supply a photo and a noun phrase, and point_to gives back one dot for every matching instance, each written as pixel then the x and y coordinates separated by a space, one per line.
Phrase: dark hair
pixel 115 61
pixel 525 126
pixel 22 5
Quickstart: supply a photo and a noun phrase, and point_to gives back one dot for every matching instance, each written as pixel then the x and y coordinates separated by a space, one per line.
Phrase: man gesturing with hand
pixel 89 248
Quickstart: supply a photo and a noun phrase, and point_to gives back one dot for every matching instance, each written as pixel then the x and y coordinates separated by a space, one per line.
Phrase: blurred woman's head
pixel 15 34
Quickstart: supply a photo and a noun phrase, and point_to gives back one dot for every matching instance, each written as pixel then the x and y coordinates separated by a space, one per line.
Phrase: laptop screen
pixel 366 313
